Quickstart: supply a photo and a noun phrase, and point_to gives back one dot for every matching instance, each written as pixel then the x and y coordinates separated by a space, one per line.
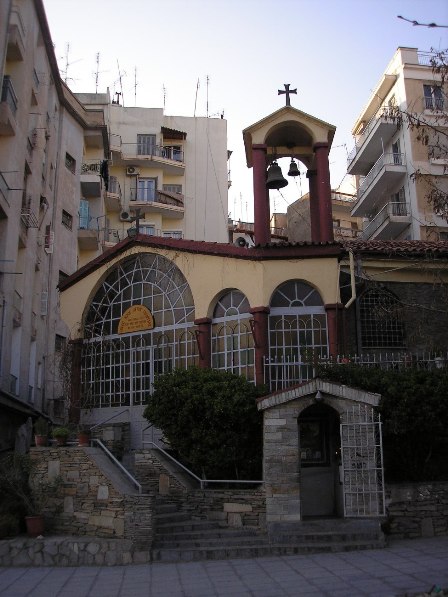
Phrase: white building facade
pixel 386 155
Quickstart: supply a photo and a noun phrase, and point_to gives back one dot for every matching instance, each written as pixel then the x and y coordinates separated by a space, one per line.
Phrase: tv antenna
pixel 67 64
pixel 98 71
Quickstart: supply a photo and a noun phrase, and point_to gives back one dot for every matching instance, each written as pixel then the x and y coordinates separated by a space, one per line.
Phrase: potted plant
pixel 61 434
pixel 83 435
pixel 28 492
pixel 41 432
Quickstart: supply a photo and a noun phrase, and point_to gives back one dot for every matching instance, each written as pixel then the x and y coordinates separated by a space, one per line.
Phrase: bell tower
pixel 288 132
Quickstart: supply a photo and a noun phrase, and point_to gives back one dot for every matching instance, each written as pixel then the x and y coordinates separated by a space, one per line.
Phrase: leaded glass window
pixel 232 339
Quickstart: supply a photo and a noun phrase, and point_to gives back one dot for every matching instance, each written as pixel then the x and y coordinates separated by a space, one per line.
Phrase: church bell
pixel 275 179
pixel 293 169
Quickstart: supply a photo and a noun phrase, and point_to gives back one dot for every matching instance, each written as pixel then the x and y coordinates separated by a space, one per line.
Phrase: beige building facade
pixel 386 155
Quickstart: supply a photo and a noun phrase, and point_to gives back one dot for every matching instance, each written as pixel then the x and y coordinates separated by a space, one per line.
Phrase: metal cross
pixel 287 91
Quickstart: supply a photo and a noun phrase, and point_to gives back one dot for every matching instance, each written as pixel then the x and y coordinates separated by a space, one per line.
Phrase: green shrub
pixel 211 420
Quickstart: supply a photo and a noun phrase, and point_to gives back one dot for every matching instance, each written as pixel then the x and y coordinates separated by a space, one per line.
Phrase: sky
pixel 242 52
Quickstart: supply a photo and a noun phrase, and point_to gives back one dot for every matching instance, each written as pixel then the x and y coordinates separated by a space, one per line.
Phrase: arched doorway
pixel 319 462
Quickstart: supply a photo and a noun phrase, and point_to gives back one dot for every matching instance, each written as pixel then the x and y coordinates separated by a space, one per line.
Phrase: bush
pixel 211 420
pixel 414 411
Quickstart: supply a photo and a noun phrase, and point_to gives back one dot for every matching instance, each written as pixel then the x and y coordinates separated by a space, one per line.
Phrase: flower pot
pixel 61 440
pixel 83 440
pixel 40 440
pixel 35 525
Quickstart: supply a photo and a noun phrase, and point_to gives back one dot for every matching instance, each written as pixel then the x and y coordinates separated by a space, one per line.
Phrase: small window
pixel 146 144
pixel 67 219
pixel 172 234
pixel 173 188
pixel 443 235
pixel 70 163
pixel 433 97
pixel 59 343
pixel 381 320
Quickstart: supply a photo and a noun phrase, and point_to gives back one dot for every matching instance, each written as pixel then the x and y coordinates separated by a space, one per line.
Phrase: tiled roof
pixel 397 247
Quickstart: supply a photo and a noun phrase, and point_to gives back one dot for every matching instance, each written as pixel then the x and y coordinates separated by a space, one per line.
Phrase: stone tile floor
pixel 411 568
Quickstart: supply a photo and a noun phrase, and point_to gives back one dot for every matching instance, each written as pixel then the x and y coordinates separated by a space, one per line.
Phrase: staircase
pixel 181 538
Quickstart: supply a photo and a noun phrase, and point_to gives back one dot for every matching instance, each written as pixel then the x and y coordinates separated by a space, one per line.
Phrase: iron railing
pixel 9 95
pixel 386 159
pixel 136 150
pixel 114 187
pixel 285 371
pixel 118 464
pixel 394 208
pixel 384 113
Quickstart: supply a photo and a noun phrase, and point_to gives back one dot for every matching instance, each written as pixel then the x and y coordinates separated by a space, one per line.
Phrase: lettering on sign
pixel 136 319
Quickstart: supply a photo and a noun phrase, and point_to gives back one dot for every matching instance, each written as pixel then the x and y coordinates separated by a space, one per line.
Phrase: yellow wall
pixel 208 275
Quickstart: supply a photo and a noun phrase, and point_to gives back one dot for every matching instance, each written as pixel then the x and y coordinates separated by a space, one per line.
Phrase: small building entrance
pixel 320 459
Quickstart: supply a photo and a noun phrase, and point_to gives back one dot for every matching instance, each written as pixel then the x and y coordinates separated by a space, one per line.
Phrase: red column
pixel 323 189
pixel 314 206
pixel 204 340
pixel 333 311
pixel 262 231
pixel 261 338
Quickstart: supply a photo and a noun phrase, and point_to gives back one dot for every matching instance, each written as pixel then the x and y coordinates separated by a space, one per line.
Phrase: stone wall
pixel 87 502
pixel 231 507
pixel 417 510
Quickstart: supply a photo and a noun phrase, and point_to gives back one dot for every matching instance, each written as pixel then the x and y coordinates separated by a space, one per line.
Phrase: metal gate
pixel 362 462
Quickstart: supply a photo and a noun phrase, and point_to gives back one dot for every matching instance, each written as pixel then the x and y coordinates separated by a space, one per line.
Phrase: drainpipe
pixel 352 279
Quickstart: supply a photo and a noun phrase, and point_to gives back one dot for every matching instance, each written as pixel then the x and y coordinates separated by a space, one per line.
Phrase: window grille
pixel 119 369
pixel 232 340
pixel 381 320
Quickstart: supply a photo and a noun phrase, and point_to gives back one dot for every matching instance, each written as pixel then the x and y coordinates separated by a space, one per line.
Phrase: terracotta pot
pixel 83 440
pixel 35 525
pixel 40 440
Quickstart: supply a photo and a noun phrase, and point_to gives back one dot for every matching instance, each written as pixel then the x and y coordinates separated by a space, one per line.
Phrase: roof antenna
pixel 164 96
pixel 208 80
pixel 135 86
pixel 196 98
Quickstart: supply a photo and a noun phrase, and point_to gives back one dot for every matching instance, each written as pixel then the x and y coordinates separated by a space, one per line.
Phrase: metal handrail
pixel 386 159
pixel 109 419
pixel 117 463
pixel 203 482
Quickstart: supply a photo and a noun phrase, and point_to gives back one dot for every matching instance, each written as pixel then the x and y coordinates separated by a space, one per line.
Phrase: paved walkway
pixel 405 567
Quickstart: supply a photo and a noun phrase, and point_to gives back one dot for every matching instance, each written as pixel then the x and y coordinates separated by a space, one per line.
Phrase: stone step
pixel 254 551
pixel 211 533
pixel 185 526
pixel 217 542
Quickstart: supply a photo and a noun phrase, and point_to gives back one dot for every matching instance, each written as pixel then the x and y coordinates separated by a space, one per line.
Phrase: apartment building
pixel 170 171
pixel 345 226
pixel 45 135
pixel 386 155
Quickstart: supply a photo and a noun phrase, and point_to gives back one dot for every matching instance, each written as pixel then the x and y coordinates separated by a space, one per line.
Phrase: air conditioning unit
pixel 132 171
pixel 125 216
pixel 244 241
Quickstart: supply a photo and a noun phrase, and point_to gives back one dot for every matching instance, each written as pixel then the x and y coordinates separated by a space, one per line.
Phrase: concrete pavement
pixel 408 567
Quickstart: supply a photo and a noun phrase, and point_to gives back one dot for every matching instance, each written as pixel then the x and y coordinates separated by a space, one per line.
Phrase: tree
pixel 430 129
pixel 210 419
pixel 414 411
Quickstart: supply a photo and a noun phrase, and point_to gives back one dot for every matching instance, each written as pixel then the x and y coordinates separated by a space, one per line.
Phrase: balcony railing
pixel 4 189
pixel 134 150
pixel 394 208
pixel 111 235
pixel 385 112
pixel 434 103
pixel 114 186
pixel 8 94
pixel 148 196
pixel 36 81
pixel 387 159
pixel 91 167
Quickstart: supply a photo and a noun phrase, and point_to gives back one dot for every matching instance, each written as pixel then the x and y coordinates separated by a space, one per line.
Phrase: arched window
pixel 118 369
pixel 297 333
pixel 381 320
pixel 232 340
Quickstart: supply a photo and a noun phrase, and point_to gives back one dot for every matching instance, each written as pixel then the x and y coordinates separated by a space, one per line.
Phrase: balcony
pixel 113 195
pixel 169 158
pixel 91 178
pixel 389 222
pixel 342 232
pixel 4 194
pixel 168 204
pixel 15 50
pixel 88 235
pixel 369 145
pixel 8 108
pixel 387 172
